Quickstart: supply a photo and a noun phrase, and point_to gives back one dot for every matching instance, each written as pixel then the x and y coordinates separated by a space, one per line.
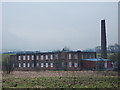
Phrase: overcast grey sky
pixel 50 26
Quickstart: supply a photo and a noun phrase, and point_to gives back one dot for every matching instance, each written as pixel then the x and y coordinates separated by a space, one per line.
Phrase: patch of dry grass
pixel 31 74
pixel 61 79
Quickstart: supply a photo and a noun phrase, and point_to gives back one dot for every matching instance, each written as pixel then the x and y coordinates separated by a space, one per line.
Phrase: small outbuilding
pixel 97 64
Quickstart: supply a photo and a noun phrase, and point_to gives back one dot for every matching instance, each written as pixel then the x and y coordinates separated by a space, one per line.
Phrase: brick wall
pixel 60 60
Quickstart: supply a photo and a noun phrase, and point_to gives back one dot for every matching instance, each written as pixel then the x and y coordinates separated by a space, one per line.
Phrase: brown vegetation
pixel 31 74
pixel 60 79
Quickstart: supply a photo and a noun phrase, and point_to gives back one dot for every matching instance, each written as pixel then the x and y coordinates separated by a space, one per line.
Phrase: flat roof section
pixel 97 59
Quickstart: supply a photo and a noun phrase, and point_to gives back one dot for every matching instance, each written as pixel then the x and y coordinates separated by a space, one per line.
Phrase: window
pixel 28 65
pixel 56 56
pixel 46 57
pixel 19 58
pixel 69 56
pixel 90 55
pixel 42 65
pixel 75 64
pixel 24 65
pixel 28 57
pixel 41 57
pixel 70 64
pixel 82 56
pixel 13 65
pixel 51 64
pixel 76 56
pixel 32 57
pixel 32 64
pixel 63 64
pixel 46 64
pixel 51 57
pixel 19 64
pixel 37 64
pixel 86 56
pixel 105 64
pixel 23 57
pixel 37 57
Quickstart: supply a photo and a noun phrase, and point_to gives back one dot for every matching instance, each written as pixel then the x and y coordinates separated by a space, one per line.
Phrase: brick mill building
pixel 64 60
pixel 61 60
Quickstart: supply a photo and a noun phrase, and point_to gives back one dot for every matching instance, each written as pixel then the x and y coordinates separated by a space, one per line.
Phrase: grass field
pixel 61 79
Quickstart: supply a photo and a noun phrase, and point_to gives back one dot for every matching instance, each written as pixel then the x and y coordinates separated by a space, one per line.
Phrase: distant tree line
pixel 110 49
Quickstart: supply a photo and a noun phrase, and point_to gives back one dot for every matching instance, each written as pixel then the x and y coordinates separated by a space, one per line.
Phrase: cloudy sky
pixel 50 26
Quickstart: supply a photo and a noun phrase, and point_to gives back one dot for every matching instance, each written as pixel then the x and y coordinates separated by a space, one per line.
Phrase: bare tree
pixel 114 48
pixel 7 64
pixel 98 49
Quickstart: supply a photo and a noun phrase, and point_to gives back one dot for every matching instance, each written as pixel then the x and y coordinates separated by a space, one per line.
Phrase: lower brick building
pixel 61 60
pixel 97 64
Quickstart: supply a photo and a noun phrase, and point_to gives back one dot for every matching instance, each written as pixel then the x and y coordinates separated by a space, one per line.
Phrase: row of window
pixel 87 56
pixel 37 57
pixel 75 64
pixel 83 56
pixel 45 64
pixel 70 56
pixel 51 57
pixel 37 64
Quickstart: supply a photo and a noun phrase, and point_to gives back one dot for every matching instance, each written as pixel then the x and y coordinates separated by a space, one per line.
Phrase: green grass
pixel 61 82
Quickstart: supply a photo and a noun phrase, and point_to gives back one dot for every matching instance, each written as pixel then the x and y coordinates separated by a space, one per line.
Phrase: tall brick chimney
pixel 103 40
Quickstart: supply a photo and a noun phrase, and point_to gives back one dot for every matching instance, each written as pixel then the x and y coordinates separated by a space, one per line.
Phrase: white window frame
pixel 63 64
pixel 69 56
pixel 13 65
pixel 24 57
pixel 28 64
pixel 32 57
pixel 37 57
pixel 51 56
pixel 42 57
pixel 42 64
pixel 75 56
pixel 106 64
pixel 56 56
pixel 32 64
pixel 24 64
pixel 51 64
pixel 19 65
pixel 19 57
pixel 46 57
pixel 46 65
pixel 37 64
pixel 75 64
pixel 28 57
pixel 70 64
